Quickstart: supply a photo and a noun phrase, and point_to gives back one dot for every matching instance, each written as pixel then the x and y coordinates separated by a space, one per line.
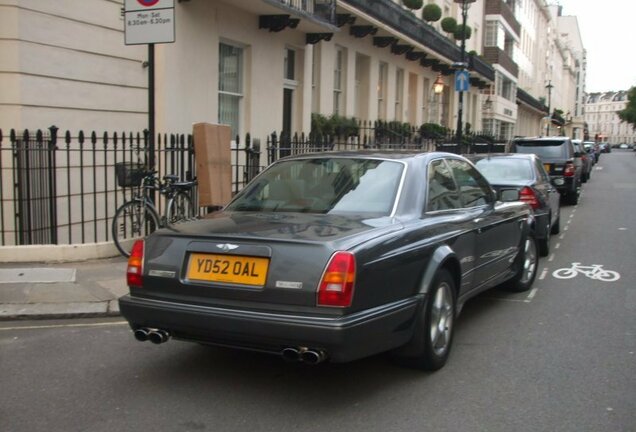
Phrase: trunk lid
pixel 256 260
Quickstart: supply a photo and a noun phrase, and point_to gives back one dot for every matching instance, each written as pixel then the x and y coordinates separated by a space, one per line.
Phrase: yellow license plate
pixel 233 269
pixel 547 168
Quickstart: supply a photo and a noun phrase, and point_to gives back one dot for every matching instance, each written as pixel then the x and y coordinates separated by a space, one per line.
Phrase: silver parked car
pixel 526 173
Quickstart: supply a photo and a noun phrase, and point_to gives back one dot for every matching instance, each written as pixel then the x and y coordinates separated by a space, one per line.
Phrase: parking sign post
pixel 149 22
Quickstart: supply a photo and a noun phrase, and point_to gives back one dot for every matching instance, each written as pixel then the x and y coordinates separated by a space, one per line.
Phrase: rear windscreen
pixel 505 170
pixel 544 149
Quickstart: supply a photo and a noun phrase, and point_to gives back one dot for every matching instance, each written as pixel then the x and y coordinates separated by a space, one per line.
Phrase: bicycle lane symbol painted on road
pixel 594 271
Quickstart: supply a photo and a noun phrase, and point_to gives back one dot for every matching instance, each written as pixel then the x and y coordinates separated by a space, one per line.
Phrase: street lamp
pixel 465 4
pixel 549 87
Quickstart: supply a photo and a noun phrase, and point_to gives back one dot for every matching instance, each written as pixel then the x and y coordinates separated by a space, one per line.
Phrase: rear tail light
pixel 527 195
pixel 569 169
pixel 134 272
pixel 337 283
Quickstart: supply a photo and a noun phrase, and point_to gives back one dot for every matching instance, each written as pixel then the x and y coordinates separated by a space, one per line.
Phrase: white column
pixel 307 90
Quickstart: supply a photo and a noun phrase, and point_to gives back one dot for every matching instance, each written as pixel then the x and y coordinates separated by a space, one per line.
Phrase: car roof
pixel 479 156
pixel 541 138
pixel 373 154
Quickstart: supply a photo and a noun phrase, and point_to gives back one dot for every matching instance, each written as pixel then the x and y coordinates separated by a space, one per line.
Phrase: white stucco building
pixel 64 63
pixel 265 66
pixel 68 66
pixel 601 115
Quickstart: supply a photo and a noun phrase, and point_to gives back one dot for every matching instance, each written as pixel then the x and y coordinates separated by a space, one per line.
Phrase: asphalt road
pixel 558 358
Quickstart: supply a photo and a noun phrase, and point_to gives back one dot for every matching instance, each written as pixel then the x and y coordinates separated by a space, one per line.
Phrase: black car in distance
pixel 561 161
pixel 335 256
pixel 526 173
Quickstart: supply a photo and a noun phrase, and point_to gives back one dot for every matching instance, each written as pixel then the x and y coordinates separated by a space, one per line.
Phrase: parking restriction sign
pixel 149 21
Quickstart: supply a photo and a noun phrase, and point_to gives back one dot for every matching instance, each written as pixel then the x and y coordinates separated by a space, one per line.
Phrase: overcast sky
pixel 608 30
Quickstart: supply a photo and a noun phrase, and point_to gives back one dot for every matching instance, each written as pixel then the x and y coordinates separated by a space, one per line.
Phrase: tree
pixel 628 115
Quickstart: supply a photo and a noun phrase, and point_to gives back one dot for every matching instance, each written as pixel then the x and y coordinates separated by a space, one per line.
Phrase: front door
pixel 285 138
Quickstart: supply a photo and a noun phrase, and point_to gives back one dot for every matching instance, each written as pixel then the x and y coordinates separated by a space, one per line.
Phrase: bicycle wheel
pixel 179 208
pixel 132 221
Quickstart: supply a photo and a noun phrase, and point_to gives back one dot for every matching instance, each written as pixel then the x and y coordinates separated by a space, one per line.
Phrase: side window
pixel 442 190
pixel 545 178
pixel 474 189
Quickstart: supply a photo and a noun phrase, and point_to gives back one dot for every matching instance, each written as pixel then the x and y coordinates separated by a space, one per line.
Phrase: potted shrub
pixel 431 13
pixel 463 32
pixel 449 24
pixel 433 131
pixel 413 4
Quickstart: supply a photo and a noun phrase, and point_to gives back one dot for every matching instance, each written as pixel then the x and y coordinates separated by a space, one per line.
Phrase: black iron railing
pixel 62 189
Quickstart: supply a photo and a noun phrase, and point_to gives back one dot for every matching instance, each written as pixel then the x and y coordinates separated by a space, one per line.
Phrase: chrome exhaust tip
pixel 313 357
pixel 158 336
pixel 141 334
pixel 291 354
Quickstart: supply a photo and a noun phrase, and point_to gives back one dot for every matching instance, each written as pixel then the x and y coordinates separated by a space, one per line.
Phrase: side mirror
pixel 508 195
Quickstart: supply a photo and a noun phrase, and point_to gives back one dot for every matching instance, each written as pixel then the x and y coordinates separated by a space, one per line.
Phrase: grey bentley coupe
pixel 335 256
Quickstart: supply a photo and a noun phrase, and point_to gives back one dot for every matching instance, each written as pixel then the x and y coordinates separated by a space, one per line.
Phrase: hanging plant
pixel 413 4
pixel 463 32
pixel 449 24
pixel 431 13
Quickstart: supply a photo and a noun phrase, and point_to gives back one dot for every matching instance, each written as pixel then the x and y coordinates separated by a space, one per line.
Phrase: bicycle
pixel 594 271
pixel 138 217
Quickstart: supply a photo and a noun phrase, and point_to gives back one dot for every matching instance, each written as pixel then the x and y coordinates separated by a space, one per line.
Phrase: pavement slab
pixel 62 290
pixel 37 275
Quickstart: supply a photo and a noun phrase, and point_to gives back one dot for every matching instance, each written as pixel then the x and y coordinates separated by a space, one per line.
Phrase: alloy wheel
pixel 441 324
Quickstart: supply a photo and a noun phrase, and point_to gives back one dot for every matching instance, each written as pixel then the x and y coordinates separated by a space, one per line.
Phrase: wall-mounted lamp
pixel 438 85
pixel 488 104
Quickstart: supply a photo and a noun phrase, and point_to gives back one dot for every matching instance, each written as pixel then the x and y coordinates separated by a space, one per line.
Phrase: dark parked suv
pixel 560 159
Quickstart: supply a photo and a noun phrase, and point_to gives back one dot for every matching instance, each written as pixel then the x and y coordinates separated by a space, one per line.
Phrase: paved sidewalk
pixel 62 290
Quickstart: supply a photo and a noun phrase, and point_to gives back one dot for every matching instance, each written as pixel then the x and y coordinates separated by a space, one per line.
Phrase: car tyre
pixel 544 244
pixel 572 198
pixel 526 265
pixel 434 328
pixel 556 228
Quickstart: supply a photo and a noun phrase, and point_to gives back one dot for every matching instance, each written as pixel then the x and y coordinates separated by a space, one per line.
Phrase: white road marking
pixel 558 245
pixel 508 300
pixel 551 258
pixel 562 236
pixel 594 271
pixel 52 326
pixel 532 294
pixel 543 274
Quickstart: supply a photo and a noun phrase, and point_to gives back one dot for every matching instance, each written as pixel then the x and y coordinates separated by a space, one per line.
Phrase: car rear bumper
pixel 565 185
pixel 343 338
pixel 542 225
